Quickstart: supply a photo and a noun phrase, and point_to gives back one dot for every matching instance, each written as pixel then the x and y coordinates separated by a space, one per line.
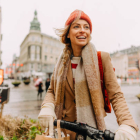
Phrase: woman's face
pixel 79 33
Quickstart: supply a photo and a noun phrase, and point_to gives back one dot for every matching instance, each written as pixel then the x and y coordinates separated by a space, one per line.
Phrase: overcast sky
pixel 116 24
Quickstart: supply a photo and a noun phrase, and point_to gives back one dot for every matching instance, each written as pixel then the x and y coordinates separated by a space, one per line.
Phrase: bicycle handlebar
pixel 86 130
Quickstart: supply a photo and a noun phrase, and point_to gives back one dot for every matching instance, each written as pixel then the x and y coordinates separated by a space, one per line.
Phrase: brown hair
pixel 63 33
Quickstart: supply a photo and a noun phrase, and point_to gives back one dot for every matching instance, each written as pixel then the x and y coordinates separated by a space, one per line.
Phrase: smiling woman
pixel 75 91
pixel 79 35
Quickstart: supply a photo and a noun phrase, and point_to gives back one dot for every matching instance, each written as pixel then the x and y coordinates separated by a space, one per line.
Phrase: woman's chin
pixel 81 44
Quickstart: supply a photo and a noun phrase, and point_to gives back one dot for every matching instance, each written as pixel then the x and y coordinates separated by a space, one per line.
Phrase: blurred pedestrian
pixel 47 83
pixel 75 92
pixel 39 87
pixel 35 79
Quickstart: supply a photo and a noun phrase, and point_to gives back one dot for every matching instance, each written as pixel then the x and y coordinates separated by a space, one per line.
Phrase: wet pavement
pixel 23 101
pixel 133 103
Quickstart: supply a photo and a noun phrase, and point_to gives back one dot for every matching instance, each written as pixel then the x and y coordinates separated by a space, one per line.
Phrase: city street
pixel 23 101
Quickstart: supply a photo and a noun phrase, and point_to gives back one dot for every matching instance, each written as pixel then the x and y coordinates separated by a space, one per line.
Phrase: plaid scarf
pixel 88 93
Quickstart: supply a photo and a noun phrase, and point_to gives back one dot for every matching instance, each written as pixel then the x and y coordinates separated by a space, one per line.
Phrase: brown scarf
pixel 88 93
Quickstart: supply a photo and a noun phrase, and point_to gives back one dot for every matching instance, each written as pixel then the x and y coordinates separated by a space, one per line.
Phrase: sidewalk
pixel 23 101
pixel 21 109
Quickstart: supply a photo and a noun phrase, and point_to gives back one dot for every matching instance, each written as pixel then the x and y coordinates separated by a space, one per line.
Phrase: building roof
pixel 48 36
pixel 132 49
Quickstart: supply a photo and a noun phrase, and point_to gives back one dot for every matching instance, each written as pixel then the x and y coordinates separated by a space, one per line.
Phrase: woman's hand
pixel 125 132
pixel 47 122
pixel 47 116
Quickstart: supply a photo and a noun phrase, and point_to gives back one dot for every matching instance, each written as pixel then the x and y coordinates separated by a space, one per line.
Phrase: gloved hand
pixel 47 116
pixel 125 132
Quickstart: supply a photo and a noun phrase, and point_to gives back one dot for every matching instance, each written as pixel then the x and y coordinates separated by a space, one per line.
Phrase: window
pixel 45 57
pixel 38 49
pixel 39 39
pixel 38 57
pixel 32 48
pixel 33 38
pixel 45 48
pixel 32 56
pixel 34 52
pixel 31 66
pixel 51 50
pixel 39 67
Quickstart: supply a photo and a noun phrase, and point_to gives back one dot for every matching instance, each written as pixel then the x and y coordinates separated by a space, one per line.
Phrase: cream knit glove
pixel 125 132
pixel 47 116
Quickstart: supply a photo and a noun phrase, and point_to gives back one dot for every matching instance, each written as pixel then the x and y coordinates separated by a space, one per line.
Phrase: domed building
pixel 38 52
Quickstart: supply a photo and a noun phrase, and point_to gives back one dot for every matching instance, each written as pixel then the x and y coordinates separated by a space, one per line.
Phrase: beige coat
pixel 114 91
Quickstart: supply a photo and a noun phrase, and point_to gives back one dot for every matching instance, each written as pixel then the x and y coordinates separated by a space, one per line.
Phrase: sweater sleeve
pixel 115 94
pixel 50 95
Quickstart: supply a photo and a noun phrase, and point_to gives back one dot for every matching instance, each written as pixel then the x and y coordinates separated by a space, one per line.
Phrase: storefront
pixel 133 73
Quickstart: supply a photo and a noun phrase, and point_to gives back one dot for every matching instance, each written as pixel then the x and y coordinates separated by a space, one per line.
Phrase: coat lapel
pixel 70 78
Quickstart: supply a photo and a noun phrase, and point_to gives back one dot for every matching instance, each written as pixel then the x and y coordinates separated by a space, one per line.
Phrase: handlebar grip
pixel 68 125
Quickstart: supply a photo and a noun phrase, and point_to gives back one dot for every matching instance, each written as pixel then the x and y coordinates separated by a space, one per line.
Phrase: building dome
pixel 35 24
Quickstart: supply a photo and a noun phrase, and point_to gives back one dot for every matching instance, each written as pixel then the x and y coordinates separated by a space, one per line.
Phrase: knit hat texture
pixel 80 15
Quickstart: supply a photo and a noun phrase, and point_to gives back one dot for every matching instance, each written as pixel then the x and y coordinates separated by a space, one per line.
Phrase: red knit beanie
pixel 81 15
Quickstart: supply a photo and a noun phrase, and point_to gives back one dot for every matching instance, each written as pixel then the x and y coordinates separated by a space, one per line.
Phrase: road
pixel 133 103
pixel 23 101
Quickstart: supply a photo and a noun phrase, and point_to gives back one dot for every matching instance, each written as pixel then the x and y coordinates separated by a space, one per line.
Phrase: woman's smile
pixel 81 37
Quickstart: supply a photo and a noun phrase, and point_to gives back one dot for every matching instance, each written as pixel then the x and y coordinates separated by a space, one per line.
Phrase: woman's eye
pixel 76 26
pixel 87 27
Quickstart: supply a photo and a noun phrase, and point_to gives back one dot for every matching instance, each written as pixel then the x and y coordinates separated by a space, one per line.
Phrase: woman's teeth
pixel 81 37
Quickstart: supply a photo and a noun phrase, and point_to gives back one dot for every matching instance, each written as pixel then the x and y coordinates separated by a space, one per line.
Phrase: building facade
pixel 15 66
pixel 12 70
pixel 124 62
pixel 38 52
pixel 0 37
pixel 120 63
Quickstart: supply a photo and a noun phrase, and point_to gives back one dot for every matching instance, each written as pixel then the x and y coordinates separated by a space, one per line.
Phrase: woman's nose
pixel 82 29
